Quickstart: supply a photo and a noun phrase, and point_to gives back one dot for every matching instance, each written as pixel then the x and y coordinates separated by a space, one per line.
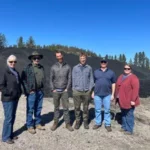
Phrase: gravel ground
pixel 79 139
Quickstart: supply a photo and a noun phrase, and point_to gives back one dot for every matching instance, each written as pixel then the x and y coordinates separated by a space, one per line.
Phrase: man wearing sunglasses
pixel 33 81
pixel 103 94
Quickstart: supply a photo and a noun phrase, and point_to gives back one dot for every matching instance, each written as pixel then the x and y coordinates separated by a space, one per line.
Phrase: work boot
pixel 108 128
pixel 69 127
pixel 55 125
pixel 95 127
pixel 77 125
pixel 40 127
pixel 31 130
pixel 86 125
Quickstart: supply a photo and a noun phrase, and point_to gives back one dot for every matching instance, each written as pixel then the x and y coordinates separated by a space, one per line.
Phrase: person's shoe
pixel 15 138
pixel 39 127
pixel 55 125
pixel 108 128
pixel 69 127
pixel 77 125
pixel 31 130
pixel 10 141
pixel 128 133
pixel 86 125
pixel 95 127
pixel 122 130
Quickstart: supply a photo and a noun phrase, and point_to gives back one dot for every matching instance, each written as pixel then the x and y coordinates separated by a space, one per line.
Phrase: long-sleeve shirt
pixel 82 78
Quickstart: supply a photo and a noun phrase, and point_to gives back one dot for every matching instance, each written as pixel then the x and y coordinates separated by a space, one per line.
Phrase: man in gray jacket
pixel 60 82
pixel 82 84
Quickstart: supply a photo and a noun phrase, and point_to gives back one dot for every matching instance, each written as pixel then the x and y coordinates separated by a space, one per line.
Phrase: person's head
pixel 11 61
pixel 82 58
pixel 127 69
pixel 59 56
pixel 103 64
pixel 35 58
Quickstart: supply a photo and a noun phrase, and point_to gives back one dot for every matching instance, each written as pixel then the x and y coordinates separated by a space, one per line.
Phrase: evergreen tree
pixel 3 42
pixel 115 57
pixel 123 58
pixel 136 57
pixel 30 43
pixel 147 64
pixel 130 61
pixel 20 43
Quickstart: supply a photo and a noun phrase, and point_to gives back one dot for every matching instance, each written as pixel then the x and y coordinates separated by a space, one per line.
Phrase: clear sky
pixel 104 26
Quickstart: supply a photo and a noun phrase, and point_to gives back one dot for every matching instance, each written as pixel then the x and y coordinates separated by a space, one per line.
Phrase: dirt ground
pixel 81 139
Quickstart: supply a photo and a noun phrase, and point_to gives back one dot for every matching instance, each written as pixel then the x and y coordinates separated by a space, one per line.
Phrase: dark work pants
pixel 57 96
pixel 78 98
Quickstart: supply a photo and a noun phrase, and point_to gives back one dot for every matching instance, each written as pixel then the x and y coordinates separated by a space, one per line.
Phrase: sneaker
pixel 69 127
pixel 108 128
pixel 31 130
pixel 77 125
pixel 55 125
pixel 10 141
pixel 39 127
pixel 15 138
pixel 95 127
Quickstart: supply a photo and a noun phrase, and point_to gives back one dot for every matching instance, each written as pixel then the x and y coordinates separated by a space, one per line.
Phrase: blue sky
pixel 104 26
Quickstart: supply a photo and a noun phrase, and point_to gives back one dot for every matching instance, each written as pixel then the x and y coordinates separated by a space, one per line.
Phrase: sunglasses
pixel 12 62
pixel 36 58
pixel 103 62
pixel 127 68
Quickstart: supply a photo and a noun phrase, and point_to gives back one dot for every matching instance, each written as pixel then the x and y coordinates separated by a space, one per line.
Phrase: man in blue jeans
pixel 33 81
pixel 103 94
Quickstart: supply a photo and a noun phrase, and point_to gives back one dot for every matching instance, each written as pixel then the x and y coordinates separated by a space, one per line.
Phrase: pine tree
pixel 136 57
pixel 115 57
pixel 130 62
pixel 3 42
pixel 123 58
pixel 30 43
pixel 20 43
pixel 147 63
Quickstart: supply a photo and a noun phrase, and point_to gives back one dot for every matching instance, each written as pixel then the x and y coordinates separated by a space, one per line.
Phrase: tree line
pixel 140 59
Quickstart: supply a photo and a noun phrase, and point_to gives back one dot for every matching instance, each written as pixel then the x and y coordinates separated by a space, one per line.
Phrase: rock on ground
pixel 81 139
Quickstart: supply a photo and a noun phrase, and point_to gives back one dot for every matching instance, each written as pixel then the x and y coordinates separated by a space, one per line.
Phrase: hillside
pixel 72 59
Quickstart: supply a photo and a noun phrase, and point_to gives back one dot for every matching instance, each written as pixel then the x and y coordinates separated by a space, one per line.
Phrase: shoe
pixel 31 130
pixel 86 125
pixel 15 138
pixel 95 127
pixel 128 133
pixel 39 127
pixel 77 125
pixel 10 141
pixel 108 128
pixel 69 127
pixel 55 125
pixel 122 130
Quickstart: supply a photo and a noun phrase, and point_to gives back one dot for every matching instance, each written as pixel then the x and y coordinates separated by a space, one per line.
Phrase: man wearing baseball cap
pixel 33 82
pixel 103 94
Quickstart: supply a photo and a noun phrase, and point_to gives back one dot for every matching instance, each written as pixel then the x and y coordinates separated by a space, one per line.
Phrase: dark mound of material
pixel 71 59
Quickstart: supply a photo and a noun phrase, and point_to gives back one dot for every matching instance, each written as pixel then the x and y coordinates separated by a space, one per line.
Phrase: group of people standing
pixel 101 85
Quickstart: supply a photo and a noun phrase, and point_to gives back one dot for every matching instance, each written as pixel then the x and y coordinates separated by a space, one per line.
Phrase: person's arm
pixel 24 81
pixel 69 79
pixel 51 79
pixel 113 86
pixel 91 80
pixel 73 78
pixel 3 85
pixel 135 89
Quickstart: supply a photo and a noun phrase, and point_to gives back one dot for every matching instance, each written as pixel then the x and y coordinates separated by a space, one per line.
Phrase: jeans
pixel 10 108
pixel 128 119
pixel 65 103
pixel 34 107
pixel 105 101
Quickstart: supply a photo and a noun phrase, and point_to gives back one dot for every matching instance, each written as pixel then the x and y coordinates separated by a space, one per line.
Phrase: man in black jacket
pixel 60 82
pixel 33 81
